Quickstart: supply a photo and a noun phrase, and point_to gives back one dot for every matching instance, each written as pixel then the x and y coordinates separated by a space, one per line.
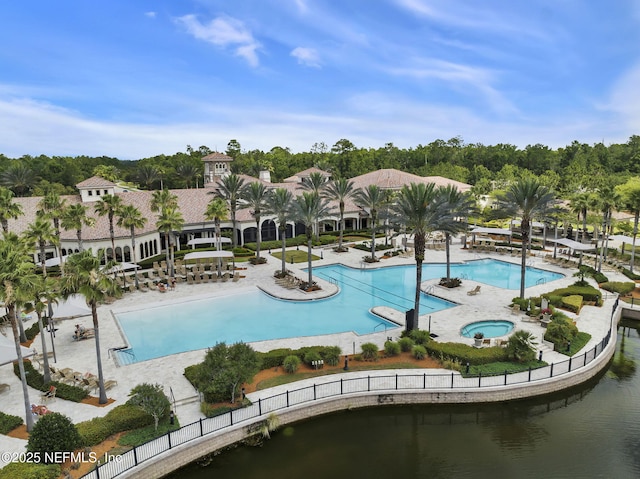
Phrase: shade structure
pixel 491 231
pixel 8 350
pixel 54 261
pixel 574 245
pixel 72 307
pixel 622 238
pixel 124 266
pixel 208 255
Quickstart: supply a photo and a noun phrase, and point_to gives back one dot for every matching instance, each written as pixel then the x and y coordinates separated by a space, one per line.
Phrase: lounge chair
pixel 49 395
pixel 236 277
pixel 474 291
pixel 515 309
pixel 4 387
pixel 108 384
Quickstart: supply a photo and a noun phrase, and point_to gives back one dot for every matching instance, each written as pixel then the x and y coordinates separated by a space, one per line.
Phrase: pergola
pixel 197 255
pixel 214 241
pixel 490 231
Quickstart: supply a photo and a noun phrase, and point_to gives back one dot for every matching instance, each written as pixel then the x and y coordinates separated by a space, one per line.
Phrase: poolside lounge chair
pixel 49 395
pixel 236 277
pixel 110 383
pixel 474 291
pixel 4 387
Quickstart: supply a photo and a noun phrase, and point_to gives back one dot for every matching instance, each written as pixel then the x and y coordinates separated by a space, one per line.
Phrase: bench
pixel 317 364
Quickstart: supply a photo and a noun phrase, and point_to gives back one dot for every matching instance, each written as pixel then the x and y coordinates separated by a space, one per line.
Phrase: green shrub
pixel 589 293
pixel 369 352
pixel 406 344
pixel 36 381
pixel 30 470
pixel 53 432
pixel 210 410
pixel 94 431
pixel 599 277
pixel 573 303
pixel 520 347
pixel 622 288
pixel 464 353
pixel 391 348
pixel 192 373
pixel 630 275
pixel 560 331
pixel 8 422
pixel 33 331
pixel 291 364
pixel 331 355
pixel 420 336
pixel 419 352
pixel 274 358
pixel 121 418
pixel 311 356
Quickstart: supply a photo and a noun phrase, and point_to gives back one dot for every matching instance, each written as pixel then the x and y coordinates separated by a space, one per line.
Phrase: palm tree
pixel 52 207
pixel 188 172
pixel 253 196
pixel 18 177
pixel 421 209
pixel 130 217
pixel 279 203
pixel 458 205
pixel 526 198
pixel 340 190
pixel 609 200
pixel 43 288
pixel 307 208
pixel 580 204
pixel 148 175
pixel 8 209
pixel 41 232
pixel 74 217
pixel 630 193
pixel 230 187
pixel 84 275
pixel 315 184
pixel 109 206
pixel 217 210
pixel 16 272
pixel 371 198
pixel 161 202
pixel 169 220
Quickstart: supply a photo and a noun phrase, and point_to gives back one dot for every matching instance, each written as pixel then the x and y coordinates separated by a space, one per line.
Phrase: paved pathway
pixel 491 303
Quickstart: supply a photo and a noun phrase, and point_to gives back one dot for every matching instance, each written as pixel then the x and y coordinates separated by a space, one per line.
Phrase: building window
pixel 105 192
pixel 90 193
pixel 97 192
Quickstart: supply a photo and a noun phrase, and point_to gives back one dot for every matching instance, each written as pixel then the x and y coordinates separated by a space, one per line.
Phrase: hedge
pixel 622 288
pixel 30 470
pixel 8 422
pixel 465 353
pixel 589 293
pixel 572 302
pixel 121 418
pixel 630 275
pixel 36 381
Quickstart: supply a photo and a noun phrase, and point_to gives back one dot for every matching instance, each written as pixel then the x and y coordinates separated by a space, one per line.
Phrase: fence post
pixel 570 364
pixel 424 381
pixel 314 391
pixel 368 383
pixel 480 379
pixel 135 455
pixel 98 471
pixel 551 373
pixel 529 374
pixel 452 380
pixel 201 429
pixel 231 417
pixel 396 382
pixel 505 377
pixel 341 387
pixel 287 398
pixel 169 438
pixel 259 407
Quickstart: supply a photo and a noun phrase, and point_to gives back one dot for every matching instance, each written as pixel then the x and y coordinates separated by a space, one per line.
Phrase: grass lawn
pixel 294 256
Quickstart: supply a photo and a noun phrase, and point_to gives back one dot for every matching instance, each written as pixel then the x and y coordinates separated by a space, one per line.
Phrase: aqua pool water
pixel 489 328
pixel 256 316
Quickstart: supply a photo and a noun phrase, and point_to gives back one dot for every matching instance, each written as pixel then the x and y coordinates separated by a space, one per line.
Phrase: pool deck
pixel 490 304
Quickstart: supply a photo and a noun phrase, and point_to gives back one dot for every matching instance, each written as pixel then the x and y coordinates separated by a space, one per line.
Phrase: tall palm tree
pixel 315 184
pixel 16 271
pixel 459 205
pixel 580 203
pixel 74 217
pixel 169 221
pixel 130 217
pixel 41 232
pixel 52 207
pixel 108 206
pixel 307 208
pixel 217 210
pixel 526 198
pixel 254 196
pixel 230 187
pixel 422 210
pixel 8 209
pixel 43 288
pixel 188 172
pixel 630 193
pixel 371 198
pixel 609 200
pixel 340 190
pixel 161 202
pixel 279 203
pixel 84 275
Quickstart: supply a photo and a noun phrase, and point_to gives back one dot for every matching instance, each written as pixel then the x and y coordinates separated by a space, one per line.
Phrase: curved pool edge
pixel 189 452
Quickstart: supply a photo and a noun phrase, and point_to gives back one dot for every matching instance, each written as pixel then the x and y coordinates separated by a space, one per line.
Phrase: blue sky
pixel 133 79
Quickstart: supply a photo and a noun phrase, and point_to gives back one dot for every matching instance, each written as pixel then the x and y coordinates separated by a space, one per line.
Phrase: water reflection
pixel 591 431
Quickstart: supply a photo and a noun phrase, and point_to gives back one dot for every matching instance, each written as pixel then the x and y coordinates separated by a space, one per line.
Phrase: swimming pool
pixel 256 316
pixel 490 329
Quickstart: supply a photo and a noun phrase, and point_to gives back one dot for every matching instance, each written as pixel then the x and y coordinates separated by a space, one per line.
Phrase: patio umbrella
pixel 8 351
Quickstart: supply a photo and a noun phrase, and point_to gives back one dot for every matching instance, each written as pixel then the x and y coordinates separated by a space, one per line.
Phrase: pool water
pixel 490 329
pixel 256 316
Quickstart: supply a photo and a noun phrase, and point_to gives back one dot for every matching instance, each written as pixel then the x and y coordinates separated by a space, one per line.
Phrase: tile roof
pixel 95 182
pixel 215 156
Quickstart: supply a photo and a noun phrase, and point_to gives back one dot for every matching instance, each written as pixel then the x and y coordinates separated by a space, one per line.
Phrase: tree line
pixel 577 166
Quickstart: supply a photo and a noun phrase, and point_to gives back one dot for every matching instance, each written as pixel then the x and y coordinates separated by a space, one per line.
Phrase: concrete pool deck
pixel 490 304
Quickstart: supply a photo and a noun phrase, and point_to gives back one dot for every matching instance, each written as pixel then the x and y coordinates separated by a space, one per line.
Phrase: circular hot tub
pixel 490 328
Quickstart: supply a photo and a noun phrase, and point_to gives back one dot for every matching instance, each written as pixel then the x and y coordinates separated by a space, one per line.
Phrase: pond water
pixel 589 432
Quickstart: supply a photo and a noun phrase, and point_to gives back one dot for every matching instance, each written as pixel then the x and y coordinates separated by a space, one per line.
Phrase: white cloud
pixel 306 56
pixel 150 14
pixel 625 98
pixel 225 32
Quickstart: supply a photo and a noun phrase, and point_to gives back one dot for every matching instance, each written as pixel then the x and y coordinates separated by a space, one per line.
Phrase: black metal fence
pixel 117 464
